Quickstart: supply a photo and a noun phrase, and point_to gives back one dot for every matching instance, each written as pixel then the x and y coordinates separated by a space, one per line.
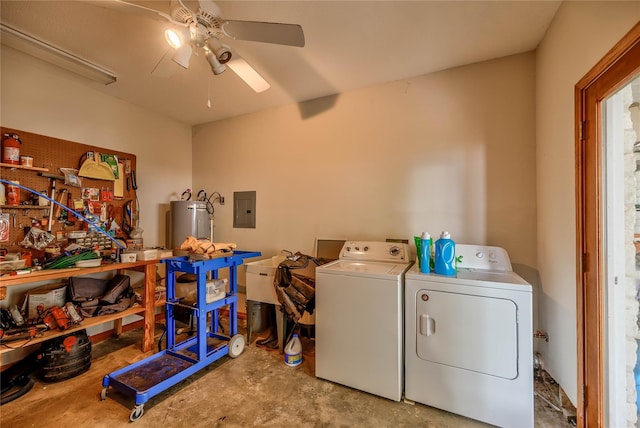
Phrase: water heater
pixel 189 218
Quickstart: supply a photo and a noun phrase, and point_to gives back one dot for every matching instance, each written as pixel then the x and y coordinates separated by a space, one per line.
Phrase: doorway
pixel 607 277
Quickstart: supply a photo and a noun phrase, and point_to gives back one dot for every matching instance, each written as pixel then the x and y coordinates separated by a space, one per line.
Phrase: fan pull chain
pixel 209 92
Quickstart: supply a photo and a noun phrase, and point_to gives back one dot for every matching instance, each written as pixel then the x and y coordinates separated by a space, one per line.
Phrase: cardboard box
pixel 165 254
pixel 147 254
pixel 49 296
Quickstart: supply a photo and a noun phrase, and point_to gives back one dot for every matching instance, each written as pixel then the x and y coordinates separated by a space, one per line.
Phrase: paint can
pixel 26 161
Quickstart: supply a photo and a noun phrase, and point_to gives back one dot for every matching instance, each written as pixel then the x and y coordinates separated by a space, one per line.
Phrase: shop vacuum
pixel 65 357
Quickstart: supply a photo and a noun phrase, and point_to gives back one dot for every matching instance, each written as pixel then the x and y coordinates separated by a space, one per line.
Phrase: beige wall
pixel 448 151
pixel 581 34
pixel 40 98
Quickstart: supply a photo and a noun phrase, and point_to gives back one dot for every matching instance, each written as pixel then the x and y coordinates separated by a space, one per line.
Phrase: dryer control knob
pixel 479 254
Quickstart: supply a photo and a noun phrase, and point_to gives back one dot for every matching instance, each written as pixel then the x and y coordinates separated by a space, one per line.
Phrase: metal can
pixel 115 253
pixel 13 194
pixel 26 161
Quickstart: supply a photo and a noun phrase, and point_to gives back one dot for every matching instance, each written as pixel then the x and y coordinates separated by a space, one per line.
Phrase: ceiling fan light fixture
pixel 173 38
pixel 216 66
pixel 221 51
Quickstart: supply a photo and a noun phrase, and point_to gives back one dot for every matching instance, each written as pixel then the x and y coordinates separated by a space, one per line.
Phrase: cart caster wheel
pixel 103 394
pixel 236 346
pixel 136 413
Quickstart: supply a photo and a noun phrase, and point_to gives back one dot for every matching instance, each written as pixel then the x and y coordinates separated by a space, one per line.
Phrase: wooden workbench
pixel 146 309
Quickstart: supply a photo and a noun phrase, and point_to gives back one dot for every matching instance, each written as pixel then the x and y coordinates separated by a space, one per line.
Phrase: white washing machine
pixel 359 317
pixel 469 339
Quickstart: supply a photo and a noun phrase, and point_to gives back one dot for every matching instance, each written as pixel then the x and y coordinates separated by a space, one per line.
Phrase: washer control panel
pixel 482 257
pixel 375 251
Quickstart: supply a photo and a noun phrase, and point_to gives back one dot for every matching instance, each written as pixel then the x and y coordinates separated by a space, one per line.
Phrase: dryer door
pixel 469 332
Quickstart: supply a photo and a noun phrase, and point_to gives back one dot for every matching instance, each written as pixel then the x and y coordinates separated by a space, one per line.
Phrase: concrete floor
pixel 255 389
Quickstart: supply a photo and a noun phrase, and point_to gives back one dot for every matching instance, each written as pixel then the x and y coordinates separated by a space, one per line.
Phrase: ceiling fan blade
pixel 266 32
pixel 248 74
pixel 166 67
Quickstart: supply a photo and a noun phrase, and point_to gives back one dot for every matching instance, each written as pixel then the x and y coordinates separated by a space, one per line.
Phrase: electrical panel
pixel 244 209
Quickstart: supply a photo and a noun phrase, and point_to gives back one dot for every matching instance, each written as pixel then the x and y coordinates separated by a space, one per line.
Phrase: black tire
pixel 17 389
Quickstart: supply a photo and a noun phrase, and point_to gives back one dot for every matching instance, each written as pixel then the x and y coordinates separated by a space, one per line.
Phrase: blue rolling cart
pixel 155 374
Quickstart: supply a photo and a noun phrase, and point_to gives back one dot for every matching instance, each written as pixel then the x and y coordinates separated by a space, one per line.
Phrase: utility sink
pixel 259 280
pixel 259 284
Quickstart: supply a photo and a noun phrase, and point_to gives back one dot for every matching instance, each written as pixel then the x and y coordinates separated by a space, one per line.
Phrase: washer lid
pixel 371 269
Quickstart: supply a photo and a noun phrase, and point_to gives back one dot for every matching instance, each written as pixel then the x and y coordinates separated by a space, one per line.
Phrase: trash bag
pixel 295 284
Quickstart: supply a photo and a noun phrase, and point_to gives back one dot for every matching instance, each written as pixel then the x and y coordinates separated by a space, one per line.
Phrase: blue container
pixel 445 256
pixel 425 252
pixel 636 373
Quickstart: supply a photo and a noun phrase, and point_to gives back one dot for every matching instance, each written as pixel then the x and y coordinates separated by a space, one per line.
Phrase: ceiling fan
pixel 199 26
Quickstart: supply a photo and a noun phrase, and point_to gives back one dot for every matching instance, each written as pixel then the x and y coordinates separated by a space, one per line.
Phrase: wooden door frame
pixel 611 73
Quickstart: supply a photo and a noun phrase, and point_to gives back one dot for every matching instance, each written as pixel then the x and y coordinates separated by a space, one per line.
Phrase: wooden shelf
pixel 45 275
pixel 24 207
pixel 28 168
pixel 86 323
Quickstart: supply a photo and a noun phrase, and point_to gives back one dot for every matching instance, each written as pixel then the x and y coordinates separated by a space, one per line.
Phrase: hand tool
pixel 133 180
pixel 53 197
pixel 59 207
pixel 126 218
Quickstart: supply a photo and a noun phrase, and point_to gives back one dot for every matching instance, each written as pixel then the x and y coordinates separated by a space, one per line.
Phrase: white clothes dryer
pixel 359 317
pixel 469 339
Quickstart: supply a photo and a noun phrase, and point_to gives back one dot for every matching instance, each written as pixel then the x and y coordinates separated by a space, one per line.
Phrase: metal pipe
pixel 52 199
pixel 549 402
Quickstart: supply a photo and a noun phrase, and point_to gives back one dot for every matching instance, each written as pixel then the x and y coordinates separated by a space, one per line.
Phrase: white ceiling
pixel 349 45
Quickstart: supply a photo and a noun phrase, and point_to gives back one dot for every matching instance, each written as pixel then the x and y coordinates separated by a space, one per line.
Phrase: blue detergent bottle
pixel 425 252
pixel 445 255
